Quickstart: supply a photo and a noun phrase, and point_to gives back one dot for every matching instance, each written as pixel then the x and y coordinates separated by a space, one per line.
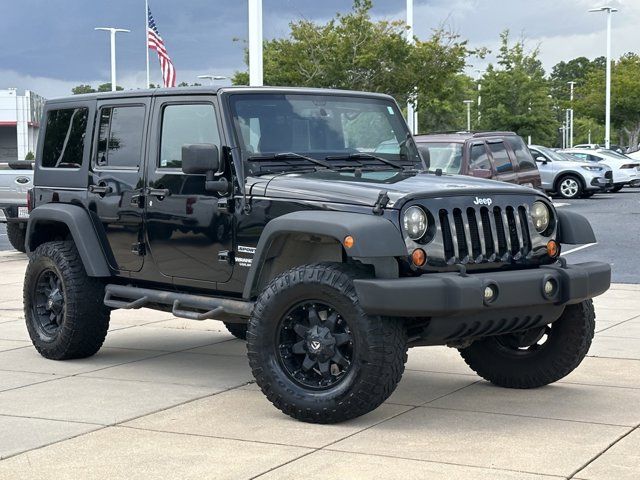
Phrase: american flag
pixel 155 42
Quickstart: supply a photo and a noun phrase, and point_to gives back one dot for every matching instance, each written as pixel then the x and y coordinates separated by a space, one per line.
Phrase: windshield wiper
pixel 289 156
pixel 361 155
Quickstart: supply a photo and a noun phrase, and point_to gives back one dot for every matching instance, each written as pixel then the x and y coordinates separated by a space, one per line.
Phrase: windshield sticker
pixel 390 110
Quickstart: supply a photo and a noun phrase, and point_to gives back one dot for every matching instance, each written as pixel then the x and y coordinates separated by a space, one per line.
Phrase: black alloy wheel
pixel 315 345
pixel 49 309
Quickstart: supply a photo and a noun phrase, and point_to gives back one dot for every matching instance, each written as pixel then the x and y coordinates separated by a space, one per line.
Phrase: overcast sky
pixel 49 46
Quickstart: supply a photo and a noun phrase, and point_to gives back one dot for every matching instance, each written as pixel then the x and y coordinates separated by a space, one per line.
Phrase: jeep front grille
pixel 485 234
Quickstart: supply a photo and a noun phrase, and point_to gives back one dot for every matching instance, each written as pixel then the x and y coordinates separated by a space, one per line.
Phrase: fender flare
pixel 82 231
pixel 375 237
pixel 574 229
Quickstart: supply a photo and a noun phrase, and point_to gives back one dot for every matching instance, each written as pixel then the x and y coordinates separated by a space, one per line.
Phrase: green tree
pixel 352 51
pixel 625 99
pixel 515 94
pixel 29 156
pixel 106 87
pixel 80 89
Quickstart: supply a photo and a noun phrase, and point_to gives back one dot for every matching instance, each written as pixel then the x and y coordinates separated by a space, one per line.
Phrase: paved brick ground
pixel 169 398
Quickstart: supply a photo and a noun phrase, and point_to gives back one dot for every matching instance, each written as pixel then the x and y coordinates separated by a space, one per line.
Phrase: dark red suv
pixel 496 155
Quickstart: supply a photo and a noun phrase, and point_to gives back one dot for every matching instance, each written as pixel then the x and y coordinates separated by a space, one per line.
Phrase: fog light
pixel 419 257
pixel 550 288
pixel 553 248
pixel 490 293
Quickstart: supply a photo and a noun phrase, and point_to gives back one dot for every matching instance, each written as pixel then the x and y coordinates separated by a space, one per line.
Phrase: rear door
pixel 527 171
pixel 116 178
pixel 504 169
pixel 189 230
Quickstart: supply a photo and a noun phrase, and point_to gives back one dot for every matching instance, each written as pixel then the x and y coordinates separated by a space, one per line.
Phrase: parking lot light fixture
pixel 607 121
pixel 112 31
pixel 212 78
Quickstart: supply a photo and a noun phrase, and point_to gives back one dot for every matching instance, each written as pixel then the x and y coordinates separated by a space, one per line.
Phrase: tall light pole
pixel 412 117
pixel 571 84
pixel 212 78
pixel 479 72
pixel 256 76
pixel 468 104
pixel 607 114
pixel 112 31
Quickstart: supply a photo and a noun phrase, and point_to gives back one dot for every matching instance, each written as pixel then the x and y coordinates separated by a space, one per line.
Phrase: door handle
pixel 100 189
pixel 159 192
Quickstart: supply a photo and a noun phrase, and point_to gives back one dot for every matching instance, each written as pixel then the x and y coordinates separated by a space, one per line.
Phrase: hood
pixel 346 187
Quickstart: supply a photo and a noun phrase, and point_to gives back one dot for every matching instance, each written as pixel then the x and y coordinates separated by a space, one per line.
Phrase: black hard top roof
pixel 211 90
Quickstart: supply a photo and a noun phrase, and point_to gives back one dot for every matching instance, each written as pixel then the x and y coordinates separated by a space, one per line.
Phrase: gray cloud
pixel 50 46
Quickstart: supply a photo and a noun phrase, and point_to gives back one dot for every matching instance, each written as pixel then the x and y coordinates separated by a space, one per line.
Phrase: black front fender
pixel 574 229
pixel 374 236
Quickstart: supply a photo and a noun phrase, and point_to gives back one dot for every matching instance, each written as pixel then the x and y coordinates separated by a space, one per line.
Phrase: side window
pixel 120 135
pixel 478 159
pixel 581 156
pixel 501 161
pixel 184 125
pixel 64 138
pixel 523 155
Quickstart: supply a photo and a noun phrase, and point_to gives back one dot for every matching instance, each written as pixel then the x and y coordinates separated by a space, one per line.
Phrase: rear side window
pixel 479 159
pixel 64 137
pixel 120 136
pixel 523 155
pixel 185 125
pixel 501 161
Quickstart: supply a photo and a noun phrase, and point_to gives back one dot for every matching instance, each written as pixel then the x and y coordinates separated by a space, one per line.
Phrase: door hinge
pixel 226 256
pixel 138 249
pixel 225 204
pixel 137 200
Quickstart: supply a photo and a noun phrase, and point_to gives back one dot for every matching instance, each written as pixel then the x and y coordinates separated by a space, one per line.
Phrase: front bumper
pixel 600 183
pixel 442 294
pixel 452 307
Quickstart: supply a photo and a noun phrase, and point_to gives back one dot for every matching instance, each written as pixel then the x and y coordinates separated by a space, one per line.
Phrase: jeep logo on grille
pixel 483 201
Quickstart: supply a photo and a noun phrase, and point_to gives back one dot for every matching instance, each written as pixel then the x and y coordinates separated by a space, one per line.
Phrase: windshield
pixel 556 156
pixel 446 156
pixel 323 127
pixel 613 153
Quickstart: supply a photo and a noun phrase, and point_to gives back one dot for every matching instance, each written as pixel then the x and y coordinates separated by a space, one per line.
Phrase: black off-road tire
pixel 238 330
pixel 17 236
pixel 380 347
pixel 566 346
pixel 84 320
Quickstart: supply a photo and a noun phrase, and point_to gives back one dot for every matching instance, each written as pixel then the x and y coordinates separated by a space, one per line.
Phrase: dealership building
pixel 20 113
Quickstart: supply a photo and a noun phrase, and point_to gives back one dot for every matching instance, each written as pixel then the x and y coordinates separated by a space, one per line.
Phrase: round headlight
pixel 541 216
pixel 415 222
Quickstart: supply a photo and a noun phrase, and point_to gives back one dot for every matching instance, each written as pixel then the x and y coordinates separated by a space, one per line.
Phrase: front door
pixel 115 182
pixel 189 230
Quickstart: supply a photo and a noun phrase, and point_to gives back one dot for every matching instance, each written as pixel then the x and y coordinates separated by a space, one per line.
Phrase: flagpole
pixel 146 37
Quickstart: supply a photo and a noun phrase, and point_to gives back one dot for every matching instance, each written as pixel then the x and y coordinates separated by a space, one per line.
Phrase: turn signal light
pixel 348 241
pixel 419 257
pixel 553 248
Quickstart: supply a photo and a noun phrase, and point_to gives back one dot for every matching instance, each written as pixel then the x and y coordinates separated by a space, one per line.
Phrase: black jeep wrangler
pixel 270 209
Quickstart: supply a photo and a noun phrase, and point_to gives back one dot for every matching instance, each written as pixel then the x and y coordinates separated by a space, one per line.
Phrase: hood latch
pixel 381 203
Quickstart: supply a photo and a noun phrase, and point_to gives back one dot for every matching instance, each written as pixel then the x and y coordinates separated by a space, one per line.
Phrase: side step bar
pixel 184 305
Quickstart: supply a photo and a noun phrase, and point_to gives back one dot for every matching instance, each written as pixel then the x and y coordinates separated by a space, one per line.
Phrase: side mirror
pixel 541 160
pixel 481 173
pixel 204 158
pixel 200 158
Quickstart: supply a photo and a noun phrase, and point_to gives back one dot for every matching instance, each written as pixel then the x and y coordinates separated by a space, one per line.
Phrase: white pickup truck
pixel 16 178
